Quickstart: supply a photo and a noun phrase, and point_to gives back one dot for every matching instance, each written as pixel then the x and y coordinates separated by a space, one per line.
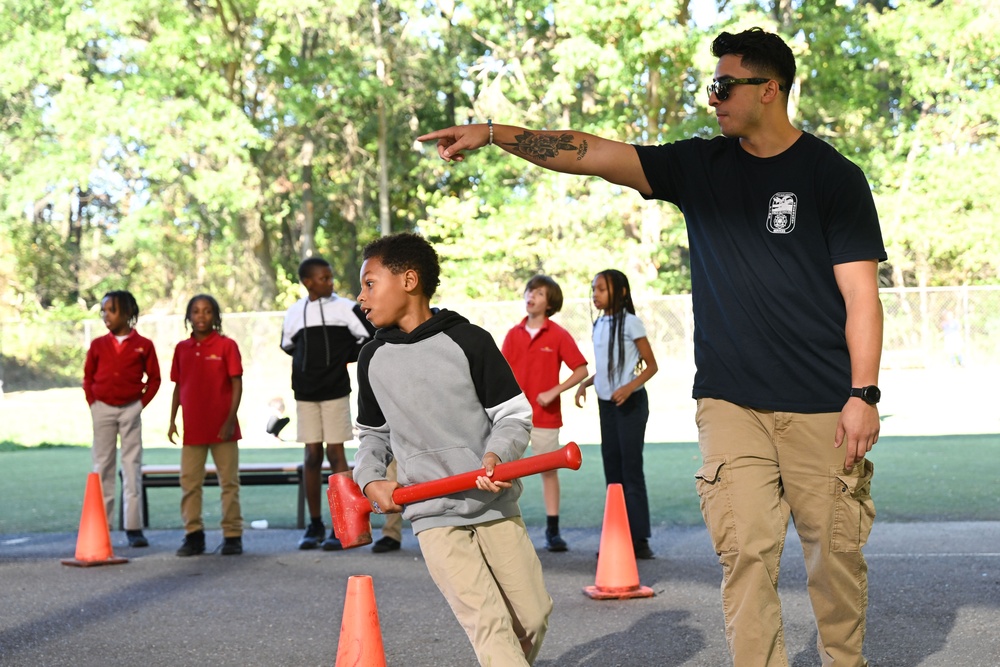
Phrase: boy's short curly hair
pixel 553 293
pixel 404 252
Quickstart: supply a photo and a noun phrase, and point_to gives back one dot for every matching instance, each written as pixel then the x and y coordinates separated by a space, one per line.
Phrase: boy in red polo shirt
pixel 116 393
pixel 208 376
pixel 536 349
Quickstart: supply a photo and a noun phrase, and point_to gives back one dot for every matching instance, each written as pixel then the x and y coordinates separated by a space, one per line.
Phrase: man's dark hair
pixel 311 264
pixel 763 53
pixel 404 252
pixel 125 304
pixel 553 293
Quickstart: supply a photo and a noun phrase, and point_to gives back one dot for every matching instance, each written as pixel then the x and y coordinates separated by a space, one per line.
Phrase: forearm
pixel 234 404
pixel 864 339
pixel 573 152
pixel 175 403
pixel 566 151
pixel 858 283
pixel 578 375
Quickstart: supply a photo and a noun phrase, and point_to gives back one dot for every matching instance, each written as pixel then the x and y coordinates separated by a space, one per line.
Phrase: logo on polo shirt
pixel 213 357
pixel 781 213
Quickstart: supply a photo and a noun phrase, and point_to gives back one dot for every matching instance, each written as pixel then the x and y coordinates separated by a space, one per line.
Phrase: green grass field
pixel 941 478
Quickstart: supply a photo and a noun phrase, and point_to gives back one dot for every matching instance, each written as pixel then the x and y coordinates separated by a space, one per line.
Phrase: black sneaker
pixel 232 546
pixel 385 545
pixel 136 538
pixel 554 542
pixel 332 543
pixel 194 544
pixel 642 550
pixel 314 533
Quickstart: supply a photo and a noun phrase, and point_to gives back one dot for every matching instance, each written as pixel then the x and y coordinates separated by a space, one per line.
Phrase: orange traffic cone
pixel 93 542
pixel 617 574
pixel 360 637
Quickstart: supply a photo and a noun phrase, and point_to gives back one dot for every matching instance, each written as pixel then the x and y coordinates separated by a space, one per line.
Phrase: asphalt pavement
pixel 934 602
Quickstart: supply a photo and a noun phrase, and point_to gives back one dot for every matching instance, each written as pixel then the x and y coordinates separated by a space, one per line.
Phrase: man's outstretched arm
pixel 565 151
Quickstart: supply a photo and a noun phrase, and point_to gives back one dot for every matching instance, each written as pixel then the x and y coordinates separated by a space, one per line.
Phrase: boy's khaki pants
pixel 109 422
pixel 759 468
pixel 491 576
pixel 393 526
pixel 226 456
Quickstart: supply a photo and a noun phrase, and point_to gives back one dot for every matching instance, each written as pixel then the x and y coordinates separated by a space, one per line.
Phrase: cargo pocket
pixel 854 510
pixel 716 504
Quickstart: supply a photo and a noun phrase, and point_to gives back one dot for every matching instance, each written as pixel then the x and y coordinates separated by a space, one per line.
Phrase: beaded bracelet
pixel 489 124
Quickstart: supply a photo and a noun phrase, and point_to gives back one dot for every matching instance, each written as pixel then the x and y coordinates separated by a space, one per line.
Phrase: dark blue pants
pixel 623 436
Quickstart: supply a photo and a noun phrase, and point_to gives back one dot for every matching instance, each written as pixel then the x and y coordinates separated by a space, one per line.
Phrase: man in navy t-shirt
pixel 785 244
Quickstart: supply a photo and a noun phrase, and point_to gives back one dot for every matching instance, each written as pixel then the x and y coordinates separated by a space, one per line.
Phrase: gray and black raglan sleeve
pixel 374 451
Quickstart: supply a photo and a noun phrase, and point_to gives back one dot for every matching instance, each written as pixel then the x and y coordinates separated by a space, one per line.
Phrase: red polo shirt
pixel 203 370
pixel 536 363
pixel 113 372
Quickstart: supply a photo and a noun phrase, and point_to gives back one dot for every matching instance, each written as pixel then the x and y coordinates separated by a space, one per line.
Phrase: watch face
pixel 871 394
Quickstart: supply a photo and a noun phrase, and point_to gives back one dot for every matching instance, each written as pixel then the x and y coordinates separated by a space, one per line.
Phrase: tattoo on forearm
pixel 541 147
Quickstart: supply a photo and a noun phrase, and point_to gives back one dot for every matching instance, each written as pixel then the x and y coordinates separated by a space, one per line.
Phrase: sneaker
pixel 314 533
pixel 554 542
pixel 136 538
pixel 194 544
pixel 332 543
pixel 385 545
pixel 642 550
pixel 232 546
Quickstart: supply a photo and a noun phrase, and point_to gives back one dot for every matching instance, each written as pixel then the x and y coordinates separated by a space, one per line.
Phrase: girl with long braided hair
pixel 624 361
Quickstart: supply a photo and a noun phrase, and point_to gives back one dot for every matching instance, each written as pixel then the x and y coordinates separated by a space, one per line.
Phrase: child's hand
pixel 546 397
pixel 172 433
pixel 379 494
pixel 581 396
pixel 484 482
pixel 227 430
pixel 621 394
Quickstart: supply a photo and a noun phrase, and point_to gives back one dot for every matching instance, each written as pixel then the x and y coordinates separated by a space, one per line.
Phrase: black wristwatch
pixel 870 394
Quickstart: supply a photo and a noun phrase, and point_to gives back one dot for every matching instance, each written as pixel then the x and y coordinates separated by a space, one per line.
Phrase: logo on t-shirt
pixel 781 213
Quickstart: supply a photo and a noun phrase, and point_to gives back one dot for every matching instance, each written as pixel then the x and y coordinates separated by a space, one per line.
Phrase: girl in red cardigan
pixel 120 377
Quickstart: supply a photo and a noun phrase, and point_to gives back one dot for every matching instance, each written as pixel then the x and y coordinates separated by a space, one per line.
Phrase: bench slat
pixel 251 474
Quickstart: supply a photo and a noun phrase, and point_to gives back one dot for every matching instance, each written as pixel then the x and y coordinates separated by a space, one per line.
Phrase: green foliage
pixel 172 148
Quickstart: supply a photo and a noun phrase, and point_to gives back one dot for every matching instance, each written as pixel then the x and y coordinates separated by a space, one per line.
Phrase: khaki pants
pixel 226 456
pixel 492 578
pixel 109 422
pixel 393 526
pixel 758 469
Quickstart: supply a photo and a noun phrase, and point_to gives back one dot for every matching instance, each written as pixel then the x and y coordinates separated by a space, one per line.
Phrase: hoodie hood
pixel 441 320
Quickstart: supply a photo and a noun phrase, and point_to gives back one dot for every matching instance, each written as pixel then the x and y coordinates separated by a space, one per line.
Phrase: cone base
pixel 113 560
pixel 598 593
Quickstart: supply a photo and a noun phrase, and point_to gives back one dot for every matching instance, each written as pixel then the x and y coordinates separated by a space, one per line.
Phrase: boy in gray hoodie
pixel 436 396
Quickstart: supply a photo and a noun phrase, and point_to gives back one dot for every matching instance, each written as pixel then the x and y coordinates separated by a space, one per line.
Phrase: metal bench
pixel 251 474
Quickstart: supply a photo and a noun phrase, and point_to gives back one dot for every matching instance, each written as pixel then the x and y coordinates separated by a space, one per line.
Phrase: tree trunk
pixel 305 217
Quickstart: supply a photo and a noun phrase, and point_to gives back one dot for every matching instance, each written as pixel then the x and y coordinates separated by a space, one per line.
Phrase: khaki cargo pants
pixel 758 469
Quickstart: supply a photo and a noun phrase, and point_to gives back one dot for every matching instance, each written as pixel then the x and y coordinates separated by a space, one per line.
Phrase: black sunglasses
pixel 720 88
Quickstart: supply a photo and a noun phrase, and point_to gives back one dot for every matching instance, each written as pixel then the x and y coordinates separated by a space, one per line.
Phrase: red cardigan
pixel 113 372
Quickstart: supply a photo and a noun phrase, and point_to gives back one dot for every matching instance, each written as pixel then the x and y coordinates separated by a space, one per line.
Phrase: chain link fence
pixel 924 328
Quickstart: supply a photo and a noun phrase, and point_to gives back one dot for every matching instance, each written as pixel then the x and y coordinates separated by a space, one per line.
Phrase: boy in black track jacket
pixel 436 395
pixel 323 333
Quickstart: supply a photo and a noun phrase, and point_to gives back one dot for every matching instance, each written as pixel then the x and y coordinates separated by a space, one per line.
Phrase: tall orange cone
pixel 93 542
pixel 617 574
pixel 360 636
